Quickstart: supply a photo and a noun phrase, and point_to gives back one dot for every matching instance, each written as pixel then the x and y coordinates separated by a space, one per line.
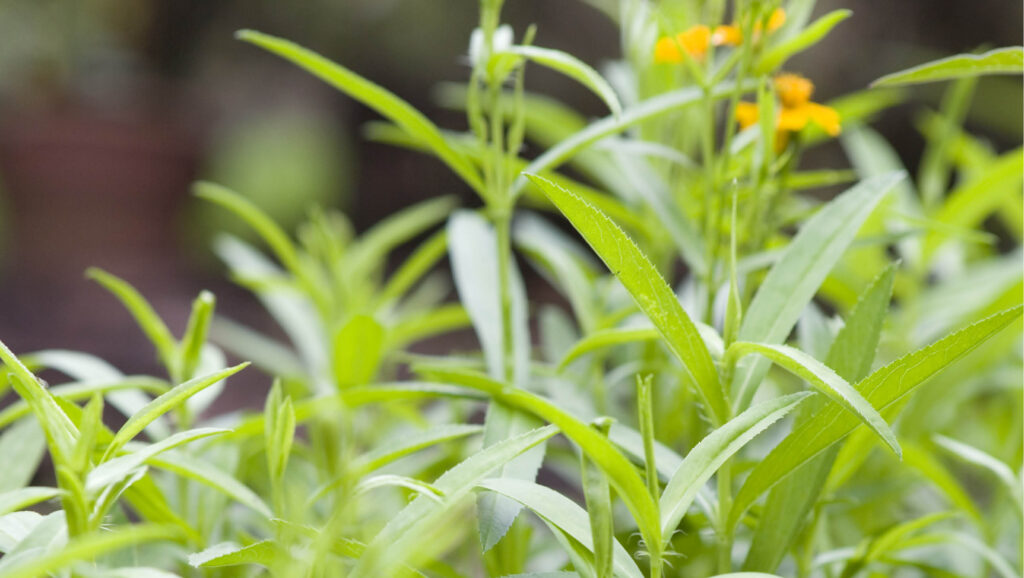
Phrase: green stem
pixel 724 528
pixel 502 219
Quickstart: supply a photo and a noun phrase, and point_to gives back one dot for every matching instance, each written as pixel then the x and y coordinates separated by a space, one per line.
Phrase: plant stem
pixel 502 220
pixel 724 507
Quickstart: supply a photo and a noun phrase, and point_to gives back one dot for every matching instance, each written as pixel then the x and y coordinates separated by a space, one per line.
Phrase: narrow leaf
pixel 883 388
pixel 814 33
pixel 999 61
pixel 650 291
pixel 142 312
pixel 394 544
pixel 165 403
pixel 563 513
pixel 806 263
pixel 822 378
pixel 384 102
pixel 572 67
pixel 704 460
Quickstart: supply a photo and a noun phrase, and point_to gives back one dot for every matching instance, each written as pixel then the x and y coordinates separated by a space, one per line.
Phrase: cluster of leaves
pixel 776 365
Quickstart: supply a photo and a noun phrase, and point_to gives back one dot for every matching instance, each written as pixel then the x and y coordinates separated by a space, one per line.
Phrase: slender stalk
pixel 645 407
pixel 724 529
pixel 502 221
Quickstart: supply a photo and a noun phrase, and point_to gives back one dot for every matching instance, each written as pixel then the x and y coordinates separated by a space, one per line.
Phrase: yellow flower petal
pixel 746 114
pixel 667 51
pixel 824 116
pixel 776 20
pixel 792 119
pixel 793 89
pixel 694 42
pixel 726 35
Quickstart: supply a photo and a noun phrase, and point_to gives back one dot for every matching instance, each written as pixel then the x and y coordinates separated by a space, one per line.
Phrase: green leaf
pixel 280 431
pixel 928 465
pixel 646 110
pixel 398 541
pixel 808 37
pixel 891 539
pixel 265 352
pixel 475 261
pixel 166 402
pixel 60 432
pixel 263 553
pixel 112 471
pixel 822 378
pixel 19 499
pixel 707 456
pixel 358 348
pixel 195 335
pixel 561 512
pixel 603 338
pixel 391 480
pixel 88 547
pixel 426 324
pixel 149 502
pixel 994 466
pixel 370 250
pixel 796 277
pixel 572 67
pixel 474 255
pixel 598 496
pixel 124 393
pixel 22 446
pixel 850 355
pixel 620 471
pixel 210 475
pixel 562 261
pixel 968 204
pixel 268 230
pixel 142 312
pixel 415 267
pixel 404 445
pixel 84 390
pixel 623 335
pixel 853 350
pixel 881 389
pixel 650 291
pixel 384 102
pixel 1008 60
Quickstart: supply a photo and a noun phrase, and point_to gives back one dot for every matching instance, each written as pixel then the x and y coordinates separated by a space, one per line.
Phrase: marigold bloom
pixel 726 35
pixel 793 89
pixel 776 20
pixel 796 110
pixel 796 118
pixel 746 114
pixel 694 41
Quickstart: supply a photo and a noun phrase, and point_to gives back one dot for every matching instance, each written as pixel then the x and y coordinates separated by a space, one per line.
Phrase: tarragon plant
pixel 743 379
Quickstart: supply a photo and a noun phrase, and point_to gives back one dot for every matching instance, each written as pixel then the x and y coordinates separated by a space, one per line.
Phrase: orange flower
pixel 727 35
pixel 694 42
pixel 796 110
pixel 696 39
pixel 793 89
pixel 775 21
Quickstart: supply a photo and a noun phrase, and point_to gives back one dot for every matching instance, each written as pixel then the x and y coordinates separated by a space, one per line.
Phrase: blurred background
pixel 109 109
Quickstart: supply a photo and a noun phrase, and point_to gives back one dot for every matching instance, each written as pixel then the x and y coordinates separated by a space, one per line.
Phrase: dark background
pixel 109 109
